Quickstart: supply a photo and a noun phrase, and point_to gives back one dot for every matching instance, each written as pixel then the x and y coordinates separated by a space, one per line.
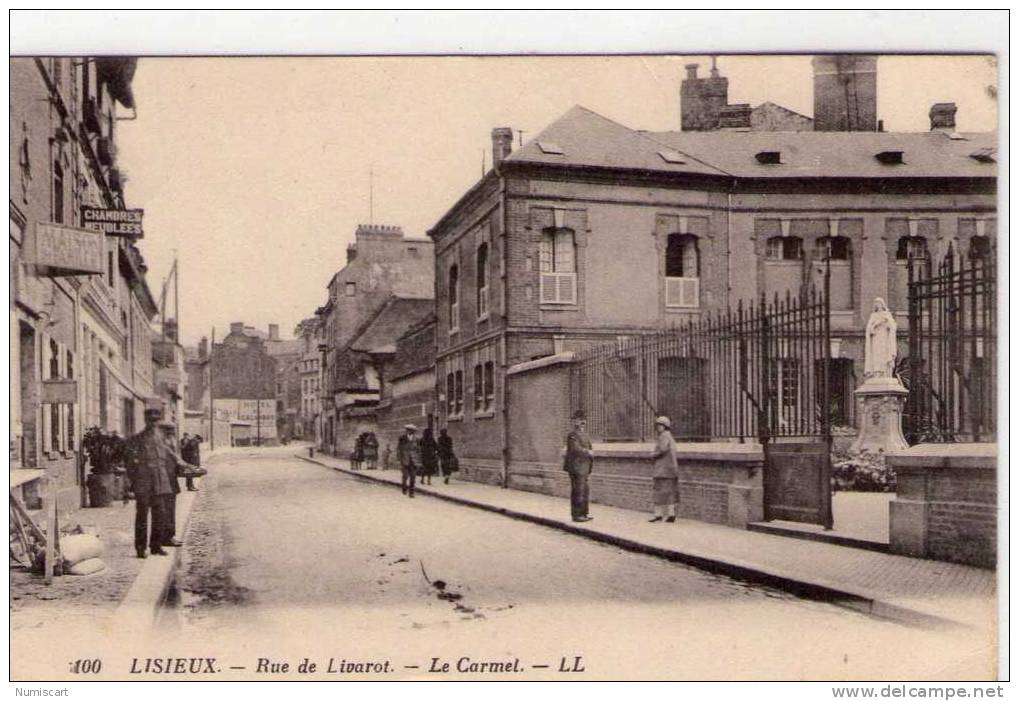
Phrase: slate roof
pixel 588 139
pixel 390 322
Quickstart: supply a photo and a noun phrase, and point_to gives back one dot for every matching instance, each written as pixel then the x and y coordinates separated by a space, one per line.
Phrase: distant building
pixel 407 393
pixel 381 264
pixel 309 333
pixel 171 377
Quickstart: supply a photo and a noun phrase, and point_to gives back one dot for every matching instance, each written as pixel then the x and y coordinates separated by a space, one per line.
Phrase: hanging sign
pixel 66 250
pixel 113 222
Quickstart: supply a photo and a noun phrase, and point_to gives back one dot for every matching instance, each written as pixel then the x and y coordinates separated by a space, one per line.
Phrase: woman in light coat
pixel 665 479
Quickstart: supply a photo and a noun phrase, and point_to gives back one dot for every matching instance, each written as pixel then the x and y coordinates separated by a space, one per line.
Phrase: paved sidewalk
pixel 924 592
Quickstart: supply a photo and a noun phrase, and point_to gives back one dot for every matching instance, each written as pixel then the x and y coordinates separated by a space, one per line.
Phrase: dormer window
pixel 672 157
pixel 550 148
pixel 769 158
pixel 889 158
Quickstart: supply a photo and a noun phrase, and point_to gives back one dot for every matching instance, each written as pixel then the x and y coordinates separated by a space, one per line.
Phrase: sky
pixel 254 172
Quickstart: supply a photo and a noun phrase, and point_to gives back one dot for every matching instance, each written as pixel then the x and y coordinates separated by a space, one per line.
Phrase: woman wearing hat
pixel 665 479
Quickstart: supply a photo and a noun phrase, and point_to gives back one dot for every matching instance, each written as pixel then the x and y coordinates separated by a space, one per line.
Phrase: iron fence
pixel 760 371
pixel 951 368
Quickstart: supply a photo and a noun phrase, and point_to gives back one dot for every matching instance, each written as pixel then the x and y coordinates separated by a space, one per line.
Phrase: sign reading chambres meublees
pixel 113 222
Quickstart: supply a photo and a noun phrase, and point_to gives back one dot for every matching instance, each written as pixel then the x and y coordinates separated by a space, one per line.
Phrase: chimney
pixel 734 117
pixel 845 92
pixel 942 116
pixel 170 329
pixel 237 327
pixel 203 348
pixel 701 99
pixel 351 253
pixel 502 144
pixel 274 332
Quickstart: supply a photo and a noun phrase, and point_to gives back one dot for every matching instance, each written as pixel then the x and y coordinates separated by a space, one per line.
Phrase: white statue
pixel 879 356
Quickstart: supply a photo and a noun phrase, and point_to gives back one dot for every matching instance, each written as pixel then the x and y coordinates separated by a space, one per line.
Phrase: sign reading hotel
pixel 66 250
pixel 113 222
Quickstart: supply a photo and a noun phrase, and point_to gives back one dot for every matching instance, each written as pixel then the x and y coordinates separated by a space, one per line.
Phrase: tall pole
pixel 176 295
pixel 371 194
pixel 212 402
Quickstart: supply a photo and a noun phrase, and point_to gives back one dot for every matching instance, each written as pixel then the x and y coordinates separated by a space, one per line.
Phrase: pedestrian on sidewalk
pixel 387 457
pixel 408 453
pixel 429 456
pixel 169 538
pixel 577 463
pixel 447 458
pixel 665 478
pixel 190 451
pixel 358 455
pixel 147 454
pixel 371 450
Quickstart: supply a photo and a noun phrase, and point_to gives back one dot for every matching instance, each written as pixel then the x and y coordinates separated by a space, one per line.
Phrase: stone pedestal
pixel 881 400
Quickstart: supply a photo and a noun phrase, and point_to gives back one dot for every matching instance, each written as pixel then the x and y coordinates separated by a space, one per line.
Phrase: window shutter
pixel 567 285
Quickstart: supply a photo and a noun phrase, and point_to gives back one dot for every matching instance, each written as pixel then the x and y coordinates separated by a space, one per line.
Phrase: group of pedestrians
pixel 366 451
pixel 153 468
pixel 424 457
pixel 579 459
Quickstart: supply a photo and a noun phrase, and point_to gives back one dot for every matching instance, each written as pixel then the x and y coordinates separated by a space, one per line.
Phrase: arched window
pixel 911 248
pixel 784 248
pixel 481 278
pixel 454 298
pixel 557 258
pixel 682 256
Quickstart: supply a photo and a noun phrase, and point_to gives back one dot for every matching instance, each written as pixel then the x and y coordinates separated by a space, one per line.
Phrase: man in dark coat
pixel 147 455
pixel 191 451
pixel 408 453
pixel 447 459
pixel 578 464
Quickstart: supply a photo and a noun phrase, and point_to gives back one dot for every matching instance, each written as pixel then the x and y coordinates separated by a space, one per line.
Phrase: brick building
pixel 407 393
pixel 80 305
pixel 593 231
pixel 382 264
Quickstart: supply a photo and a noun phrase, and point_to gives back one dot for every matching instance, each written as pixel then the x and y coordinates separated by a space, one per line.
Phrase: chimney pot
pixel 942 116
pixel 237 327
pixel 691 70
pixel 502 144
pixel 274 332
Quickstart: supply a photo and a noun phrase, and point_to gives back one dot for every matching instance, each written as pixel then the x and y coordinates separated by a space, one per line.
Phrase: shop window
pixel 557 259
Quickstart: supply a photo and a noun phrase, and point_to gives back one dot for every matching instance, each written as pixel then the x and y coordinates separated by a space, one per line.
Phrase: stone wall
pixel 945 506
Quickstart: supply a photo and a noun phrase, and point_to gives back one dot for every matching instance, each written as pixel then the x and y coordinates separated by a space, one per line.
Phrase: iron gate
pixel 756 372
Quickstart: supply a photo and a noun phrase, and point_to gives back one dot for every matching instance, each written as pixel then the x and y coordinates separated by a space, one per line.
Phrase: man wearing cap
pixel 578 464
pixel 408 452
pixel 665 478
pixel 147 455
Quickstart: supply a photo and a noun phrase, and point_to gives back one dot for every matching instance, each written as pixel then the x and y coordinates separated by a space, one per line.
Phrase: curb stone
pixel 814 589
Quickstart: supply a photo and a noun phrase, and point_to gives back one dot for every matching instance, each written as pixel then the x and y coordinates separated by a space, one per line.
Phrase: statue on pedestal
pixel 882 395
pixel 881 348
